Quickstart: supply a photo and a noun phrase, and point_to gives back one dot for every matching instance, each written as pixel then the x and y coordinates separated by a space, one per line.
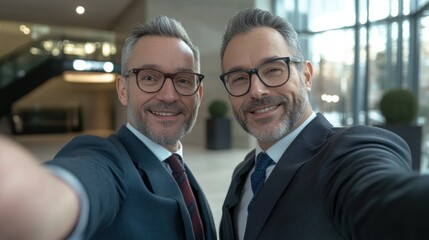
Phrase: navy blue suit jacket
pixel 347 183
pixel 131 193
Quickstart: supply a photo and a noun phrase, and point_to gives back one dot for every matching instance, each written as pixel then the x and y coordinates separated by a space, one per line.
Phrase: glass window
pixel 406 7
pixel 287 9
pixel 394 8
pixel 378 77
pixel 424 78
pixel 378 9
pixel 348 87
pixel 332 58
pixel 405 51
pixel 328 14
pixel 363 11
pixel 421 3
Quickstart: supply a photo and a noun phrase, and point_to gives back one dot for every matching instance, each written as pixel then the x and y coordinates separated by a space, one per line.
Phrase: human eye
pixel 273 69
pixel 237 78
pixel 149 77
pixel 187 80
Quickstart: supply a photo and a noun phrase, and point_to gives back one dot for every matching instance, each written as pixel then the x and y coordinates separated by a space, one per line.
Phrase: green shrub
pixel 218 108
pixel 399 106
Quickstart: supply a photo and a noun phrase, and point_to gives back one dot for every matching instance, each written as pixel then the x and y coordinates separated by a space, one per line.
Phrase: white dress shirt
pixel 275 152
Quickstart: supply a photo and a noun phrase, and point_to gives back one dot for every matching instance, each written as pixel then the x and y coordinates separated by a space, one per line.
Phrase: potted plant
pixel 218 126
pixel 399 108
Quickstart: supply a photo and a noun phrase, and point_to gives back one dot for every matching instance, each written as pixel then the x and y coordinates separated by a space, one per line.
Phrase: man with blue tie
pixel 306 179
pixel 132 184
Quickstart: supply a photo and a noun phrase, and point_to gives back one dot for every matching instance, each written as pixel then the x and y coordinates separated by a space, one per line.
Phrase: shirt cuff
pixel 74 183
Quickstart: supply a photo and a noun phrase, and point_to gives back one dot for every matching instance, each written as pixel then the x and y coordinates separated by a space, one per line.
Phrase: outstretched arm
pixel 371 191
pixel 34 204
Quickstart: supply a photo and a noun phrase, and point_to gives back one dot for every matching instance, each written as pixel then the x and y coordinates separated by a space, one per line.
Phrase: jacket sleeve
pixel 370 190
pixel 100 168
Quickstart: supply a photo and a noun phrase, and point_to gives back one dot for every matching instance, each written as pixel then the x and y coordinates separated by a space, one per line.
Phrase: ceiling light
pixel 87 65
pixel 108 67
pixel 89 48
pixel 80 10
pixel 24 29
pixel 88 77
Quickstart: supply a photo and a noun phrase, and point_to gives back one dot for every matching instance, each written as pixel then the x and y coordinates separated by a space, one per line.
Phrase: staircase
pixel 30 66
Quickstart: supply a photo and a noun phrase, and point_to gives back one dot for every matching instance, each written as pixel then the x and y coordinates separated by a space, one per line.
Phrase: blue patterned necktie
pixel 258 176
pixel 181 178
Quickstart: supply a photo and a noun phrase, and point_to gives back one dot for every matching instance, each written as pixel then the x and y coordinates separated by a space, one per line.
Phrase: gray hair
pixel 251 18
pixel 159 26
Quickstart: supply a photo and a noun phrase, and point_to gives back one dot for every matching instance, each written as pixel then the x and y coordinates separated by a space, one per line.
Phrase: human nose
pixel 168 91
pixel 257 87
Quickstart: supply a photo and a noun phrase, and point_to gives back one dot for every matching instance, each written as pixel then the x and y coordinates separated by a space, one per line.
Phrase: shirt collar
pixel 276 151
pixel 160 152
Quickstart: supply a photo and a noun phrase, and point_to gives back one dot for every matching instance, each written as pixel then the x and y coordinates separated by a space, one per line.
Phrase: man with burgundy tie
pixel 133 184
pixel 306 179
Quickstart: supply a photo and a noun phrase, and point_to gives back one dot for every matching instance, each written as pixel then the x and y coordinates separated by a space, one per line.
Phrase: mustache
pixel 163 106
pixel 262 102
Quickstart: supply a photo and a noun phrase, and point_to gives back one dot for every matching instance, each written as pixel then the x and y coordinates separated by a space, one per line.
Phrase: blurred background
pixel 58 58
pixel 359 49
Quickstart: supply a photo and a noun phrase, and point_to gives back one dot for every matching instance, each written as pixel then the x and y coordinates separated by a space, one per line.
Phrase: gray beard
pixel 293 114
pixel 163 137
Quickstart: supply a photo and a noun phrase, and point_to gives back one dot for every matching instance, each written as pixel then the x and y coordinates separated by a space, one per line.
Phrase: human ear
pixel 121 89
pixel 308 74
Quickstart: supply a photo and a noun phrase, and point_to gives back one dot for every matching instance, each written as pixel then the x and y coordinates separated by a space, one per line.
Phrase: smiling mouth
pixel 265 109
pixel 164 114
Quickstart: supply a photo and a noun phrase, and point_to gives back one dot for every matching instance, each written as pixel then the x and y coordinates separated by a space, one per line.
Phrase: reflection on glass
pixel 378 9
pixel 333 65
pixel 423 93
pixel 356 66
pixel 331 14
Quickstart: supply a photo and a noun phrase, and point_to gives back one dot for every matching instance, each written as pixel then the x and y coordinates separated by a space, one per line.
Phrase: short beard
pixel 163 137
pixel 292 115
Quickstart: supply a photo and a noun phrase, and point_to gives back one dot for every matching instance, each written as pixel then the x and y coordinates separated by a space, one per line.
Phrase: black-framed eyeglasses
pixel 273 73
pixel 150 80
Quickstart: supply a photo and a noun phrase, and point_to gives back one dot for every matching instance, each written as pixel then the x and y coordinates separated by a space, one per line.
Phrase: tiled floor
pixel 212 168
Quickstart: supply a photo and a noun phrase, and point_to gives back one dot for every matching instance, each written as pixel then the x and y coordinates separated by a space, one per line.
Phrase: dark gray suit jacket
pixel 131 193
pixel 348 183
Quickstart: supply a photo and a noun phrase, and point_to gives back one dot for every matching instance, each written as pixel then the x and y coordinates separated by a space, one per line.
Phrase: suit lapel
pixel 162 182
pixel 234 194
pixel 238 180
pixel 297 154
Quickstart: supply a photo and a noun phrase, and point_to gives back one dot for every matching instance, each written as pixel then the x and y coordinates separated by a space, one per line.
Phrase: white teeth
pixel 265 109
pixel 164 114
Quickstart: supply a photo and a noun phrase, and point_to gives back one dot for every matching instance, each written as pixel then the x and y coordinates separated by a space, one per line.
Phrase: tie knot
pixel 175 163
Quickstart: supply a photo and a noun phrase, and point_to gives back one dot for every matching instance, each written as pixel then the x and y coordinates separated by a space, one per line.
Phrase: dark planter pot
pixel 218 133
pixel 413 137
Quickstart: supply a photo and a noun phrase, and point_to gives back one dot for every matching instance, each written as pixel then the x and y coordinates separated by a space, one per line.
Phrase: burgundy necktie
pixel 181 178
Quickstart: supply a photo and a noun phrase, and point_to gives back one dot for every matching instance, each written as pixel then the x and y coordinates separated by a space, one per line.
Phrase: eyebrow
pixel 264 60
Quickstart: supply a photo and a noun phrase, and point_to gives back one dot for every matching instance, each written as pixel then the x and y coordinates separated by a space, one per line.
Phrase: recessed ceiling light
pixel 80 10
